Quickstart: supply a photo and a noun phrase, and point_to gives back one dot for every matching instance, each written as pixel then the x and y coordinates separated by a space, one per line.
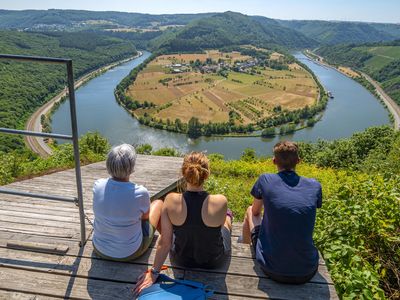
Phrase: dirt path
pixel 37 144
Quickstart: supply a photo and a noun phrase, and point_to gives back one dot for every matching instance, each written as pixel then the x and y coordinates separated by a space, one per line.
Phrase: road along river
pixel 353 109
pixel 38 145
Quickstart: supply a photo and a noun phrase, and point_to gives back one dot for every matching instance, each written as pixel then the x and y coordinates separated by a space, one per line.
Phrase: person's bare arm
pixel 146 216
pixel 165 242
pixel 163 248
pixel 257 206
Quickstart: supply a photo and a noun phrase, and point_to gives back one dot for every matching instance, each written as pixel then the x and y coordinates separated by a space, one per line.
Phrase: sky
pixel 387 11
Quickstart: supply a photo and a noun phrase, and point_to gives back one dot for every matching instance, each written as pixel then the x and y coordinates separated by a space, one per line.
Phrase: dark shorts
pixel 226 240
pixel 279 278
pixel 148 231
pixel 254 236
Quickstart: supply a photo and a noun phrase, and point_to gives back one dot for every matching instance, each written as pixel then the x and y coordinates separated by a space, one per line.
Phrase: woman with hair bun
pixel 196 226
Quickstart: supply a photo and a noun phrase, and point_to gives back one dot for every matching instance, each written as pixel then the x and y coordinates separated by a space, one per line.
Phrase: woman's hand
pixel 144 281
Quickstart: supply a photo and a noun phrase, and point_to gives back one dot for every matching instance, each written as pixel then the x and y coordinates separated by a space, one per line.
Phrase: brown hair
pixel 286 154
pixel 195 168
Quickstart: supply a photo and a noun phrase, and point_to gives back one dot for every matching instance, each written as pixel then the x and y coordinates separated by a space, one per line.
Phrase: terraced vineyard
pixel 220 87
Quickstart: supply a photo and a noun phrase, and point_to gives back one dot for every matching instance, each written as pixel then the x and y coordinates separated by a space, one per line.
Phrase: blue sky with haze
pixel 343 10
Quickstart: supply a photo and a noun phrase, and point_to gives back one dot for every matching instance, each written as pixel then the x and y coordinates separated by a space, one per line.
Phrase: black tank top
pixel 196 244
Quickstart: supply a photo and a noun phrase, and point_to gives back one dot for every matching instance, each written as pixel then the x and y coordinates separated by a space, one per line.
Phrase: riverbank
pixel 37 144
pixel 390 104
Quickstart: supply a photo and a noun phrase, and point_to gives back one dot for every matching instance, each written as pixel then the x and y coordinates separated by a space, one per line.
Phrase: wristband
pixel 154 271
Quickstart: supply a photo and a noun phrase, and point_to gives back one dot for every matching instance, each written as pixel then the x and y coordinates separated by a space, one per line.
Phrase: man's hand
pixel 144 281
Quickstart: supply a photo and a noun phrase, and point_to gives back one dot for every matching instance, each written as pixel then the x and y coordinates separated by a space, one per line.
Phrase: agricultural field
pixel 349 72
pixel 382 55
pixel 213 86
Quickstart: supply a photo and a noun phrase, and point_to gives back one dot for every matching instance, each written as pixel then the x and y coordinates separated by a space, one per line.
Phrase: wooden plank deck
pixel 50 264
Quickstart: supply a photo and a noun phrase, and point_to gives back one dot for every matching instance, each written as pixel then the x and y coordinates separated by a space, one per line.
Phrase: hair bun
pixel 195 168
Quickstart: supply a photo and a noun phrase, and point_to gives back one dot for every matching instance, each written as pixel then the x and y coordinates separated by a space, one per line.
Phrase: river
pixel 353 109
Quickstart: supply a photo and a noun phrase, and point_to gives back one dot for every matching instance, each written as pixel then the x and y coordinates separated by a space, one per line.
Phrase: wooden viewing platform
pixel 40 257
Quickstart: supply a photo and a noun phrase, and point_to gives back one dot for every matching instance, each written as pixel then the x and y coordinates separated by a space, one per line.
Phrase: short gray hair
pixel 121 161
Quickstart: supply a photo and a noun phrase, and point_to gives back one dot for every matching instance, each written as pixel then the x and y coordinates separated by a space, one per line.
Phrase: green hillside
pixel 231 28
pixel 331 32
pixel 324 32
pixel 82 19
pixel 380 60
pixel 26 86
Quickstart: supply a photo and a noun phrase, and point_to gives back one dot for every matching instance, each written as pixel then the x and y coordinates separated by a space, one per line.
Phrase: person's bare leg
pixel 250 221
pixel 155 214
pixel 228 223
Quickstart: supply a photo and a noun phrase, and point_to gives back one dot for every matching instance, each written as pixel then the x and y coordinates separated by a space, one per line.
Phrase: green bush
pixel 20 164
pixel 166 152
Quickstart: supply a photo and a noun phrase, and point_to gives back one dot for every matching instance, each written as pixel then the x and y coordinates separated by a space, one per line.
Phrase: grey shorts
pixel 148 235
pixel 226 239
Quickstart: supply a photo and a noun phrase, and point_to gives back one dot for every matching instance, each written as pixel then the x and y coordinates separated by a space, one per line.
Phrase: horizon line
pixel 200 13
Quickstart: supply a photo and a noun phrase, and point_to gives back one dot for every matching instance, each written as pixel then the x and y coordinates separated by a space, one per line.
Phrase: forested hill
pixel 82 19
pixel 26 86
pixel 231 28
pixel 380 60
pixel 294 33
pixel 330 32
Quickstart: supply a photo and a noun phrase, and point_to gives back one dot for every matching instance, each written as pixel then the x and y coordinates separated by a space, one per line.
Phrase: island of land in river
pixel 221 87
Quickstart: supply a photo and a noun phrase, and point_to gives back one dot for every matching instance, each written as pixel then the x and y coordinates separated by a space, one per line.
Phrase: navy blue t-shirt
pixel 285 245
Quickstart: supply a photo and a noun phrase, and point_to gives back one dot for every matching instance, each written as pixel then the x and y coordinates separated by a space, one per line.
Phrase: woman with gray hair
pixel 124 219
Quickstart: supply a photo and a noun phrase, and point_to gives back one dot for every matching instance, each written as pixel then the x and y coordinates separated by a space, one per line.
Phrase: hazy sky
pixel 344 10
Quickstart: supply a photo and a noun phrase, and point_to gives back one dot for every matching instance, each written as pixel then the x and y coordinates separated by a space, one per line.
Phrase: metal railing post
pixel 71 91
pixel 74 137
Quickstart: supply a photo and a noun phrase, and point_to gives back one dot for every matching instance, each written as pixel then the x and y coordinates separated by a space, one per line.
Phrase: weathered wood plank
pixel 233 266
pixel 48 207
pixel 82 266
pixel 58 219
pixel 6 295
pixel 128 272
pixel 61 286
pixel 246 286
pixel 38 223
pixel 39 230
pixel 38 247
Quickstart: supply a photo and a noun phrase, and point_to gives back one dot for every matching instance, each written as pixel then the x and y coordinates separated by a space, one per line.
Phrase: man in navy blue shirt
pixel 282 237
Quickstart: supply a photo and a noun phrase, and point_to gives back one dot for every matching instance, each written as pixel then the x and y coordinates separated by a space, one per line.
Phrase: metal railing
pixel 74 137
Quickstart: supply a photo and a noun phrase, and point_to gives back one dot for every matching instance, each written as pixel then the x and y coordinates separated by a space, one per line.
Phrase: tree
pixel 178 125
pixel 144 149
pixel 248 154
pixel 268 132
pixel 194 128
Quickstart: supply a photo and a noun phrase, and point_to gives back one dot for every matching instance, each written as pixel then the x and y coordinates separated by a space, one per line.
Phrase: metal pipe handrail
pixel 41 196
pixel 35 133
pixel 35 58
pixel 73 137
